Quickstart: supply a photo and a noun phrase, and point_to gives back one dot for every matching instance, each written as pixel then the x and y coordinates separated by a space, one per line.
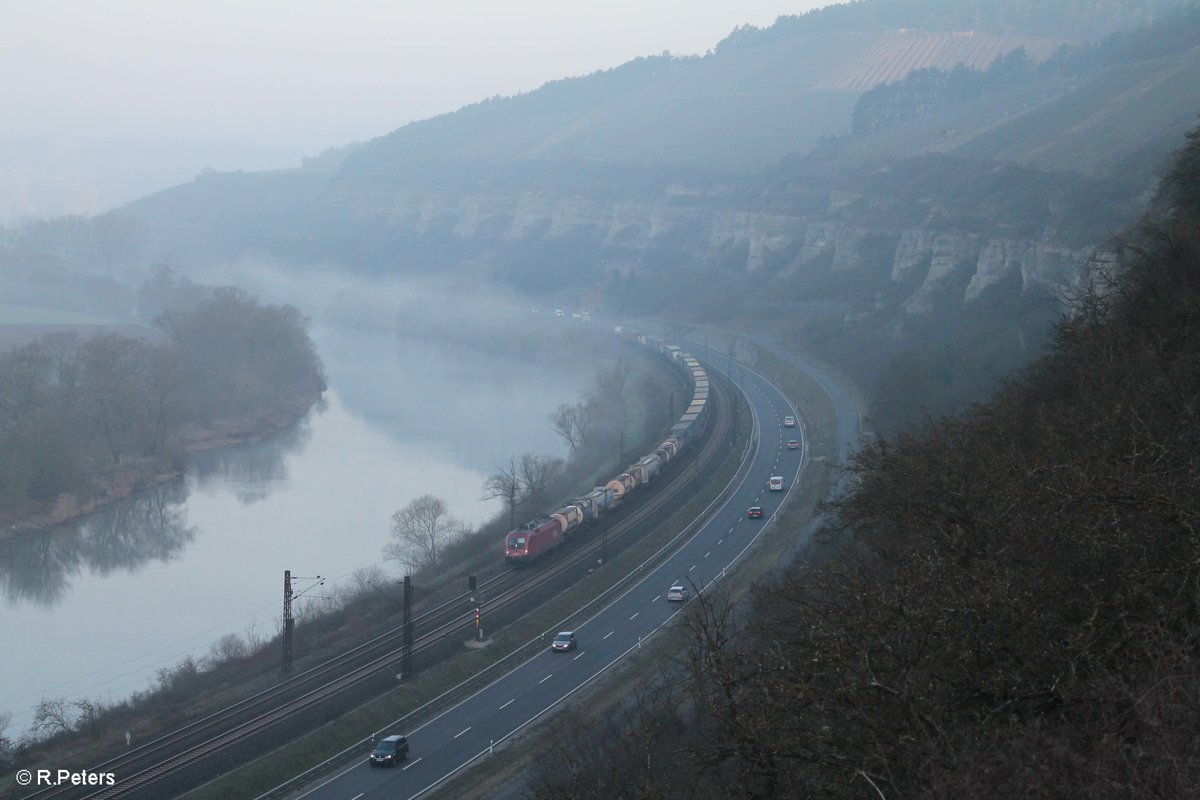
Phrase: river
pixel 94 609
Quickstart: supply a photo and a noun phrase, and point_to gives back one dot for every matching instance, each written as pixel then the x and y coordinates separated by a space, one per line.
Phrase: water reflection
pixel 252 469
pixel 38 567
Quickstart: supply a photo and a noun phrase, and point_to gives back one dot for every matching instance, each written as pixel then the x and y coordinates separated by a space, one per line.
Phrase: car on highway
pixel 754 512
pixel 389 751
pixel 564 641
pixel 789 422
pixel 793 444
pixel 677 593
pixel 775 483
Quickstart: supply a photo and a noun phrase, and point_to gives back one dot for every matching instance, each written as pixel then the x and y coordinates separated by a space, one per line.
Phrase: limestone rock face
pixel 953 255
pixel 912 254
pixel 847 248
pixel 819 243
pixel 961 267
pixel 709 226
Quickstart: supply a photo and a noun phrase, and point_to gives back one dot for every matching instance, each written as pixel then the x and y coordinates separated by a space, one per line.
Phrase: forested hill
pixel 1013 610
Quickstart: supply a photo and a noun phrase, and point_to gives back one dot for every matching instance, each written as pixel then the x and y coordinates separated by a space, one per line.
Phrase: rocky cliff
pixel 928 266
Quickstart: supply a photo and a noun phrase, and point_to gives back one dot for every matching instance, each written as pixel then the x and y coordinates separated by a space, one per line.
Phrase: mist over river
pixel 94 609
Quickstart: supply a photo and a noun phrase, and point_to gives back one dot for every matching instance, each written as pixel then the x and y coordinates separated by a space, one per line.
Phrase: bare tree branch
pixel 420 531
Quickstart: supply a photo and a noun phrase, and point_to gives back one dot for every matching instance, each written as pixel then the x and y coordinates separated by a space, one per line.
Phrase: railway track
pixel 239 722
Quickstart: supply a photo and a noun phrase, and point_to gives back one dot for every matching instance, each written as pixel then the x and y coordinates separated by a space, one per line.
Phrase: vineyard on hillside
pixel 893 55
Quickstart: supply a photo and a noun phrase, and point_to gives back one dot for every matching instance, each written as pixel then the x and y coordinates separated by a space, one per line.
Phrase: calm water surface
pixel 97 608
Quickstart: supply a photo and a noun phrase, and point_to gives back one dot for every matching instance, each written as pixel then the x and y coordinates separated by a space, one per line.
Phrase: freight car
pixel 536 538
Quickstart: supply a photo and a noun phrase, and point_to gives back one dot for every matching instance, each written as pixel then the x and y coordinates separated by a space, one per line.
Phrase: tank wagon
pixel 534 539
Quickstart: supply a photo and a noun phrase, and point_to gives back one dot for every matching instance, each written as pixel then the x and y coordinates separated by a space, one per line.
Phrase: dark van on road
pixel 390 751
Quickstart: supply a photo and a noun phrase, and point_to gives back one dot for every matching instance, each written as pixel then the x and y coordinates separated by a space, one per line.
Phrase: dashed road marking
pixel 460 733
pixel 506 705
pixel 543 680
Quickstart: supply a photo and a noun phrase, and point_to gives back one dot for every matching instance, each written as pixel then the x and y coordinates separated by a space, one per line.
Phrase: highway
pixel 467 732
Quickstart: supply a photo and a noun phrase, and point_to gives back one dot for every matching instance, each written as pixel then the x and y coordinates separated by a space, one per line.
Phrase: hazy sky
pixel 308 74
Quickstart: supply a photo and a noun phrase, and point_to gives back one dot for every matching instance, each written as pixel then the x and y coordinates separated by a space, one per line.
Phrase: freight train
pixel 538 537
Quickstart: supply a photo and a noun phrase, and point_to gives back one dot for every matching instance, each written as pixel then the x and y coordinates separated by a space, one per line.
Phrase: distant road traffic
pixel 451 742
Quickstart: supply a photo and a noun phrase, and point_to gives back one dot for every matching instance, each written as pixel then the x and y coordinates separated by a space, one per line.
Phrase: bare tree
pixel 62 348
pixel 164 384
pixel 505 484
pixel 229 648
pixel 114 380
pixel 255 638
pixel 179 679
pixel 420 531
pixel 536 474
pixel 611 381
pixel 574 423
pixel 367 579
pixel 53 716
pixel 89 712
pixel 6 744
pixel 24 378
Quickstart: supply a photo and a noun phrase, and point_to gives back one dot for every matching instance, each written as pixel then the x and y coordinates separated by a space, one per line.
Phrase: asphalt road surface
pixel 464 734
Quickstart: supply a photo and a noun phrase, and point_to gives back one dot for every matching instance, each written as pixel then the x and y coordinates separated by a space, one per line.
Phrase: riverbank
pixel 121 481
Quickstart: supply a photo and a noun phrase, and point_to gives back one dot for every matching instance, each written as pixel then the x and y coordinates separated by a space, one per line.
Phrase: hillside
pixel 1002 605
pixel 735 109
pixel 919 234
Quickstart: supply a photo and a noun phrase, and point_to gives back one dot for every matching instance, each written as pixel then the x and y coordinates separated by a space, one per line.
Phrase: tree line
pixel 74 409
pixel 593 429
pixel 1004 604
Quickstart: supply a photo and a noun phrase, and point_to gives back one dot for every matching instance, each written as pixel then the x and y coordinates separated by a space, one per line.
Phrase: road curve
pixel 467 732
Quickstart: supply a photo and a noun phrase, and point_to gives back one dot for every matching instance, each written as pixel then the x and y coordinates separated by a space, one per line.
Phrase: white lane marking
pixel 406 766
pixel 721 540
pixel 610 633
pixel 635 615
pixel 576 658
pixel 506 705
pixel 360 794
pixel 570 693
pixel 548 677
pixel 460 733
pixel 706 555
